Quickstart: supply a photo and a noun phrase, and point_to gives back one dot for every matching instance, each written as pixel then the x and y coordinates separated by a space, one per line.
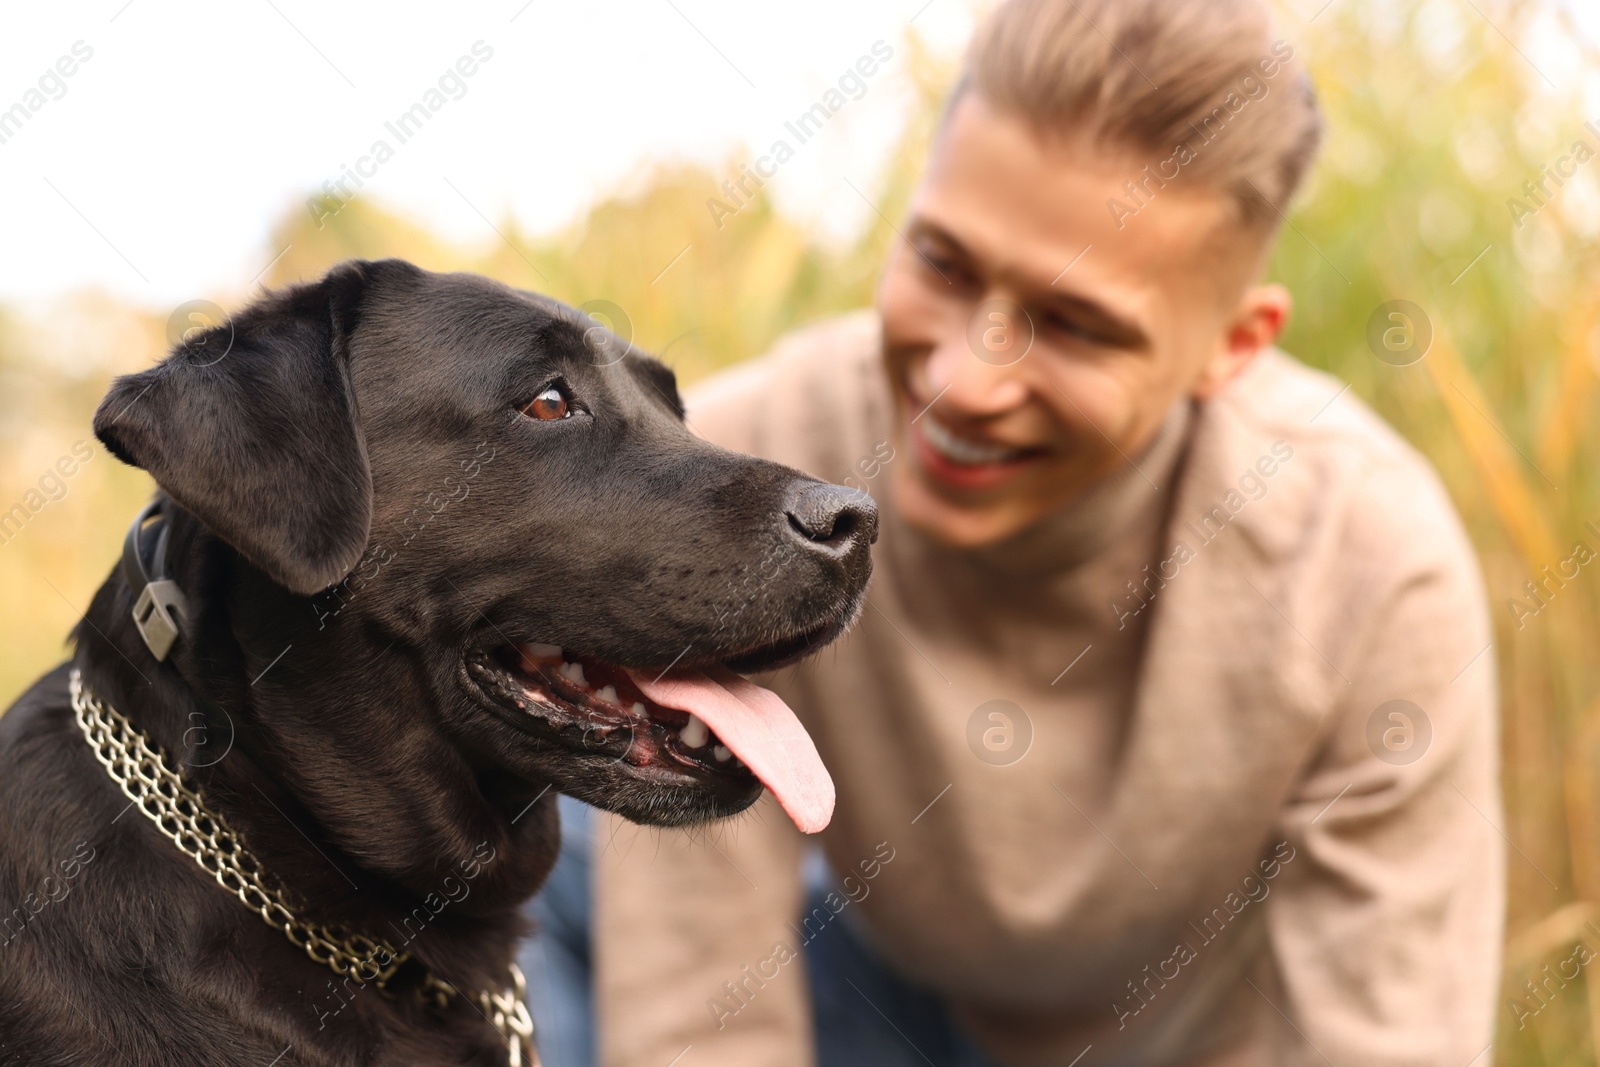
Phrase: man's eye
pixel 1072 328
pixel 941 264
pixel 548 405
pixel 946 269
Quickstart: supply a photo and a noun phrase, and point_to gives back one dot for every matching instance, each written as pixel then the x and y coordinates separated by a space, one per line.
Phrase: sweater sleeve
pixel 1386 928
pixel 693 944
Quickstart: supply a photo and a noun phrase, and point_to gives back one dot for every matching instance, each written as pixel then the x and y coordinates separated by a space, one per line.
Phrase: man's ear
pixel 1255 324
pixel 252 426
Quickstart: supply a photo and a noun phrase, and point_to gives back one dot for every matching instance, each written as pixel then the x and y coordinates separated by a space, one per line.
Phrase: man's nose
pixel 976 387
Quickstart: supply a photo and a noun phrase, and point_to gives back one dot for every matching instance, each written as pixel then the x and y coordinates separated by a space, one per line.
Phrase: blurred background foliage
pixel 1436 116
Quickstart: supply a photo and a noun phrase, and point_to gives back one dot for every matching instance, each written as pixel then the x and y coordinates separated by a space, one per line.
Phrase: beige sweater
pixel 1179 843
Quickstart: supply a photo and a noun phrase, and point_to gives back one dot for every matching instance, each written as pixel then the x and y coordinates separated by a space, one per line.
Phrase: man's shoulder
pixel 813 394
pixel 1334 523
pixel 1313 409
pixel 1356 477
pixel 816 353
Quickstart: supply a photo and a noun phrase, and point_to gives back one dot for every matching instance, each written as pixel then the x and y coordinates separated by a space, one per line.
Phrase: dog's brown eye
pixel 550 404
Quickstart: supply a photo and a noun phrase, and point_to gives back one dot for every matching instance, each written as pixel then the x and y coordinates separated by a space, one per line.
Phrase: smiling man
pixel 1166 737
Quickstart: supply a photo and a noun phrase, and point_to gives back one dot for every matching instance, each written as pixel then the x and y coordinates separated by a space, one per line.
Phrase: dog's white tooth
pixel 573 672
pixel 721 753
pixel 638 709
pixel 534 650
pixel 608 693
pixel 695 734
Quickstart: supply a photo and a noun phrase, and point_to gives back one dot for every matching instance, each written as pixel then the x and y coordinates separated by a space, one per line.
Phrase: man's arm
pixel 693 945
pixel 1386 926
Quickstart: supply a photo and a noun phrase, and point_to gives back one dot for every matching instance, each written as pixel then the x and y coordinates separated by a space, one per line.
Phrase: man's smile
pixel 963 462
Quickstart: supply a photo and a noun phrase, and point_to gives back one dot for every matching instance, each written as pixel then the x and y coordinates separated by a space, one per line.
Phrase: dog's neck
pixel 353 797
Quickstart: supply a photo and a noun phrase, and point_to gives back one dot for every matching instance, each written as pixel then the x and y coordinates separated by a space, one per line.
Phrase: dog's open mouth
pixel 708 726
pixel 605 708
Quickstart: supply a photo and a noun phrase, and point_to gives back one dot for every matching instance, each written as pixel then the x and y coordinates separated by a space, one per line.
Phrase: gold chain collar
pixel 147 779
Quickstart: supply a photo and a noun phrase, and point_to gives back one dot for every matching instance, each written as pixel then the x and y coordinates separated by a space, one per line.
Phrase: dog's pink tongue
pixel 758 727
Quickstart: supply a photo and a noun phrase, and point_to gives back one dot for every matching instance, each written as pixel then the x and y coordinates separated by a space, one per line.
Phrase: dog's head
pixel 481 519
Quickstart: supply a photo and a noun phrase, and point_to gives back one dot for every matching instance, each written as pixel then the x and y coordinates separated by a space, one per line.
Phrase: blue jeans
pixel 863 1014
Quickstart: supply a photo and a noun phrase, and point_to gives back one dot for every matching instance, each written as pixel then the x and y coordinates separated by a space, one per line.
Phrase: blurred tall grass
pixel 1435 119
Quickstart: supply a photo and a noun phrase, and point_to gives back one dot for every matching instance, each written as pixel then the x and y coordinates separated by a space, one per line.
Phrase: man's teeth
pixel 962 451
pixel 695 735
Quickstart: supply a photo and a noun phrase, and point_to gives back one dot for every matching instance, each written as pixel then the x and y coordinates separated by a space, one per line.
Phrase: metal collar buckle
pixel 160 609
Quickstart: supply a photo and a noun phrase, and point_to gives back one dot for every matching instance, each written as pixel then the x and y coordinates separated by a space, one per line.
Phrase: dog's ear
pixel 253 427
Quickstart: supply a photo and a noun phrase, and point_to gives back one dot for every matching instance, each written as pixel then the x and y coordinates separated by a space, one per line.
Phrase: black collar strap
pixel 159 606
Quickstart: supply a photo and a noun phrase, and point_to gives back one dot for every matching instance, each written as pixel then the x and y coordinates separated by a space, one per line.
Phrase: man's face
pixel 1033 346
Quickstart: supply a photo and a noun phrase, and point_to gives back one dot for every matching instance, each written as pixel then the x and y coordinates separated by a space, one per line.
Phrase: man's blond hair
pixel 1195 93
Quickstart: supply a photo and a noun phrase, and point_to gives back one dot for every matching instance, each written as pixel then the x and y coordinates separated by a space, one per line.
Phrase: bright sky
pixel 157 167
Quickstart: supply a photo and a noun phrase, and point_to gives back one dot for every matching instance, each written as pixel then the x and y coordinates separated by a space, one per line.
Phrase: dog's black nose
pixel 832 517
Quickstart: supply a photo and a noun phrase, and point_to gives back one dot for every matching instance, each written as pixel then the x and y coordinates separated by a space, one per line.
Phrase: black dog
pixel 428 547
